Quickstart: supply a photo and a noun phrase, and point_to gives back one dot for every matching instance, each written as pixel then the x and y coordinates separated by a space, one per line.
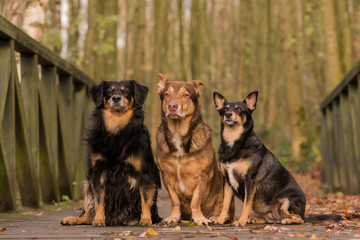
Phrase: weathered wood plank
pixel 7 125
pixel 48 107
pixel 25 173
pixel 337 178
pixel 7 200
pixel 29 91
pixel 325 145
pixel 30 85
pixel 25 44
pixel 329 160
pixel 353 137
pixel 346 135
pixel 80 112
pixel 66 153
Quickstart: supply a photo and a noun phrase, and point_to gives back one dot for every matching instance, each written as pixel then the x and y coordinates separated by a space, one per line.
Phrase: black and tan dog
pixel 186 156
pixel 253 173
pixel 122 177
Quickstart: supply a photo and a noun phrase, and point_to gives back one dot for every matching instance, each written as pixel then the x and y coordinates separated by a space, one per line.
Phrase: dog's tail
pixel 323 217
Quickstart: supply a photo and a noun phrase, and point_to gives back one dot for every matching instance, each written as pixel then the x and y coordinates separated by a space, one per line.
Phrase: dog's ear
pixel 96 93
pixel 219 100
pixel 162 82
pixel 251 100
pixel 140 92
pixel 195 84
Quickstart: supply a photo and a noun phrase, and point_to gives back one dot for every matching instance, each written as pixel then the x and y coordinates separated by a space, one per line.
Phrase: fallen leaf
pixel 357 235
pixel 143 234
pixel 28 212
pixel 300 235
pixel 233 237
pixel 151 232
pixel 313 236
pixel 187 223
pixel 2 229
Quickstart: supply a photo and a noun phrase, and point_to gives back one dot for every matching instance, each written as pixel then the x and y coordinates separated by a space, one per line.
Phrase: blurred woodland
pixel 293 51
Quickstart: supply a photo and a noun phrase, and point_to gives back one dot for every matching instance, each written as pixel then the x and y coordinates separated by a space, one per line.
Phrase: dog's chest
pixel 236 171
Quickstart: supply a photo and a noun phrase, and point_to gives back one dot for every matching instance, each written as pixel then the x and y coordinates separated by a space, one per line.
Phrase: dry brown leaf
pixel 2 229
pixel 346 209
pixel 233 237
pixel 151 232
pixel 313 236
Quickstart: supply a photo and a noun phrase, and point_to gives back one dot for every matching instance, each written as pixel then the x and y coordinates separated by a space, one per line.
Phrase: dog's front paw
pixel 98 222
pixel 202 221
pixel 218 220
pixel 172 220
pixel 241 222
pixel 145 222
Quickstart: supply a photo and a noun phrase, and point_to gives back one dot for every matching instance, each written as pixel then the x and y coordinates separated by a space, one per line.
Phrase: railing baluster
pixel 48 106
pixel 65 103
pixel 25 170
pixel 7 125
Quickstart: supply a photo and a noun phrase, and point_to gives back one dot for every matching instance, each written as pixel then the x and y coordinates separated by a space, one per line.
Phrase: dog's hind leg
pixel 247 206
pixel 256 218
pixel 287 217
pixel 147 194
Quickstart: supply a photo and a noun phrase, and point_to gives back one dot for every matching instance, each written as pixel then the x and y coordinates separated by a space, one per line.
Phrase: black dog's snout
pixel 228 114
pixel 116 98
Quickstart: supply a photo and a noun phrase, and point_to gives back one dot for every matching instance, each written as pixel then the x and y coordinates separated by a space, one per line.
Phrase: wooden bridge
pixel 341 135
pixel 43 116
pixel 43 113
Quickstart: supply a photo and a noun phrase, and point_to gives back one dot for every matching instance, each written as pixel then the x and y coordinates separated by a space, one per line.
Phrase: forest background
pixel 294 52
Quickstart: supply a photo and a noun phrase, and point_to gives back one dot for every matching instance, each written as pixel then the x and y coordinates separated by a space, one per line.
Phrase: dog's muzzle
pixel 174 111
pixel 118 103
pixel 230 119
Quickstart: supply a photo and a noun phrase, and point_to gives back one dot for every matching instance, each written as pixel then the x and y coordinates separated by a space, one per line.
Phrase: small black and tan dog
pixel 122 177
pixel 253 173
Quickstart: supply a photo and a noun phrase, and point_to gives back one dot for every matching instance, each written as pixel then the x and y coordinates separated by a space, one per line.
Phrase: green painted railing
pixel 43 116
pixel 341 135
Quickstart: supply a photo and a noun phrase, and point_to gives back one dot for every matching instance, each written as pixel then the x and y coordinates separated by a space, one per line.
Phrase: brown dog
pixel 186 156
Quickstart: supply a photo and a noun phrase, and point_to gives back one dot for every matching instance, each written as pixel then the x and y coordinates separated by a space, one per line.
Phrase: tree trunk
pixel 333 64
pixel 293 84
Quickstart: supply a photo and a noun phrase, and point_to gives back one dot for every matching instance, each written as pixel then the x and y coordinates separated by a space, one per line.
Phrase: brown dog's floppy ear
pixel 96 93
pixel 251 100
pixel 162 81
pixel 219 100
pixel 140 92
pixel 196 84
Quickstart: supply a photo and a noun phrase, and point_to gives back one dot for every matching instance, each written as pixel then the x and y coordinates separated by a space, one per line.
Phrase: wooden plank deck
pixel 47 226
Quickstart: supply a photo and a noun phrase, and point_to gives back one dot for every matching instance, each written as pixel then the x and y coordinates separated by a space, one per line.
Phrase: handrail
pixel 27 45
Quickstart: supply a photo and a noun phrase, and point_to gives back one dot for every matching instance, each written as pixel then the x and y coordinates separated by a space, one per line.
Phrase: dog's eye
pixel 167 94
pixel 185 94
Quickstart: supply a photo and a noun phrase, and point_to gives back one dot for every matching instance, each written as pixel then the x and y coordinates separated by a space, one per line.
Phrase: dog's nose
pixel 116 98
pixel 228 114
pixel 172 106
